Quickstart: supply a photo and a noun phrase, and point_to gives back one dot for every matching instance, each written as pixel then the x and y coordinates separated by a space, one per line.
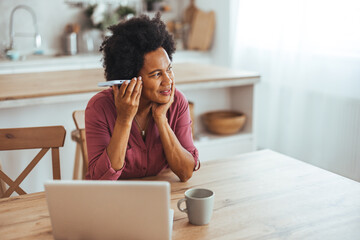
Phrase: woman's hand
pixel 127 98
pixel 159 110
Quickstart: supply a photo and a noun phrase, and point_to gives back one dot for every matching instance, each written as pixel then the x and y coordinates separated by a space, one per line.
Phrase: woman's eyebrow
pixel 157 70
pixel 154 71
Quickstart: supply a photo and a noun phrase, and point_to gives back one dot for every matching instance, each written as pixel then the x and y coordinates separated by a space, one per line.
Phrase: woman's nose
pixel 167 79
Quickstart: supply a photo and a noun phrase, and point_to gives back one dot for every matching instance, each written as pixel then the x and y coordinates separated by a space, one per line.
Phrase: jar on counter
pixel 71 43
pixel 71 39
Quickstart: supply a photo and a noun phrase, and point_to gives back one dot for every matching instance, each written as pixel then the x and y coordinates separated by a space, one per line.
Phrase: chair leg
pixel 55 155
pixel 77 163
pixel 2 186
pixel 84 168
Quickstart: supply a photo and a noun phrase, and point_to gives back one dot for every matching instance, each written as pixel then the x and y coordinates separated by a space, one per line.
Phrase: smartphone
pixel 111 83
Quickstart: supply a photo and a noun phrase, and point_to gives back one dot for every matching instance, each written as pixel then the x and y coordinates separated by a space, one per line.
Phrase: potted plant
pixel 101 16
pixel 125 12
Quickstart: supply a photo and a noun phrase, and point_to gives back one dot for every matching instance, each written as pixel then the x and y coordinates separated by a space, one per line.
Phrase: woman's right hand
pixel 127 98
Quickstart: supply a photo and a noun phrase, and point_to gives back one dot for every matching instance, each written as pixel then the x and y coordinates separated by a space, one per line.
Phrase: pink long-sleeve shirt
pixel 142 158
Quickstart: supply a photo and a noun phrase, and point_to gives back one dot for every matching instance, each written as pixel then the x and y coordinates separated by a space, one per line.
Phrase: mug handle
pixel 179 203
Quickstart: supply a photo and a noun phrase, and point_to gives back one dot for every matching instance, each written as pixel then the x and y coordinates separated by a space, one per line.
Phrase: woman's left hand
pixel 159 110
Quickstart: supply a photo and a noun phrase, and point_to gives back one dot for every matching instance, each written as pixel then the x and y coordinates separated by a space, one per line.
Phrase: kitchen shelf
pixel 225 94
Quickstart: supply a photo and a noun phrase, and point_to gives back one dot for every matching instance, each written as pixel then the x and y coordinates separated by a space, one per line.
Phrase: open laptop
pixel 109 209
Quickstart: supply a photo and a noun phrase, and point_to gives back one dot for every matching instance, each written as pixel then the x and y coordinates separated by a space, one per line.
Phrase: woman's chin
pixel 162 99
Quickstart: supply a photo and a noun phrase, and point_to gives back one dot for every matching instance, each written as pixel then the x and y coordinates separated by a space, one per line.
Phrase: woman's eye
pixel 170 69
pixel 156 75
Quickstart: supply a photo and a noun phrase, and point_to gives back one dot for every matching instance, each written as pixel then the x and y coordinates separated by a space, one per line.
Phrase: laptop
pixel 109 209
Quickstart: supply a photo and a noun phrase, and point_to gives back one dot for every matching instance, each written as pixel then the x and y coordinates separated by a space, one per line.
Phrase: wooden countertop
pixel 44 84
pixel 259 195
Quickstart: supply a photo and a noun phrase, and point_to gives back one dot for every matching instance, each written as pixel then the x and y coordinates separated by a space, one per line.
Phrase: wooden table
pixel 260 195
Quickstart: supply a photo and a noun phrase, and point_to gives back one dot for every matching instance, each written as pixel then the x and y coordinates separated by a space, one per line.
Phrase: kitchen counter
pixel 22 86
pixel 49 63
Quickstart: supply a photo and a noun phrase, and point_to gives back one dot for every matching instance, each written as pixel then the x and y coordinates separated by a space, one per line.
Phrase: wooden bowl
pixel 224 122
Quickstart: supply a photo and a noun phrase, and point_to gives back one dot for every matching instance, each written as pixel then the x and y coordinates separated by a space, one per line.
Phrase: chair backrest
pixel 43 138
pixel 79 119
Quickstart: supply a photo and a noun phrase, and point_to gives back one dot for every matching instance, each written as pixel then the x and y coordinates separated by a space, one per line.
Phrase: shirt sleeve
pixel 183 128
pixel 98 137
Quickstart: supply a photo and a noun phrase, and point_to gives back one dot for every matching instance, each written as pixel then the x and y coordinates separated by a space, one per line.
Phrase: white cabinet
pixel 231 90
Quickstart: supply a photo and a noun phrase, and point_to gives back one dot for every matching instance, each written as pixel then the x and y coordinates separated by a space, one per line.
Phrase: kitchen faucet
pixel 36 35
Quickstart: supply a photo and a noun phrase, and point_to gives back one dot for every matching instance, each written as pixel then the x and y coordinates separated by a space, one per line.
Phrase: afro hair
pixel 123 51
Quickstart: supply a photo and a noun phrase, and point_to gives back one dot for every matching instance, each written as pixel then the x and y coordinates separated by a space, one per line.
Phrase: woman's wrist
pixel 160 119
pixel 123 121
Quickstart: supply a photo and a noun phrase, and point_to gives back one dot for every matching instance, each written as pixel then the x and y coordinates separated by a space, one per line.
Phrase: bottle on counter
pixel 71 39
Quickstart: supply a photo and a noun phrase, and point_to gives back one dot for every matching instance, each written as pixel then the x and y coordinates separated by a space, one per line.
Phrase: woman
pixel 143 126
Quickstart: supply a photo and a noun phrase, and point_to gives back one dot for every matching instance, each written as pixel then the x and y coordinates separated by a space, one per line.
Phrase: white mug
pixel 199 205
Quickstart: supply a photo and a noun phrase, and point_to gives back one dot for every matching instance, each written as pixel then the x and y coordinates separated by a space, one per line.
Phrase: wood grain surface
pixel 32 137
pixel 43 84
pixel 260 195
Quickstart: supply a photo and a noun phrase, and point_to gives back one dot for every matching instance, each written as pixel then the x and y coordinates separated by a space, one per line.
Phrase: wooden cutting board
pixel 202 30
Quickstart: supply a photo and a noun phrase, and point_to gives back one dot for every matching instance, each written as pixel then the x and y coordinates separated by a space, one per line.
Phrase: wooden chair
pixel 78 135
pixel 42 138
pixel 2 185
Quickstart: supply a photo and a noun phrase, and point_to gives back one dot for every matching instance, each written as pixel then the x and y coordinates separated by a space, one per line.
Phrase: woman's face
pixel 157 76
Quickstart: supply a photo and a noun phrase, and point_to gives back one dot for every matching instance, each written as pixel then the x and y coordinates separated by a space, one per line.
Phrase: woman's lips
pixel 166 92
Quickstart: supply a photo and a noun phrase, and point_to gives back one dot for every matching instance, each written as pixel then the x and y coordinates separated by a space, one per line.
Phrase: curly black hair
pixel 123 51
